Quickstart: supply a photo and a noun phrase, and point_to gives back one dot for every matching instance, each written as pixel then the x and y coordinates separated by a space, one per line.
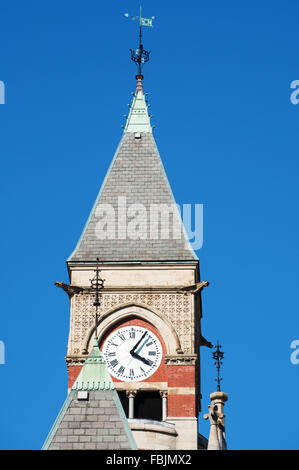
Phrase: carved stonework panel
pixel 176 307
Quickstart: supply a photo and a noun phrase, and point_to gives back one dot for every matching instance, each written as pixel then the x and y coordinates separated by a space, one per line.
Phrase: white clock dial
pixel 132 353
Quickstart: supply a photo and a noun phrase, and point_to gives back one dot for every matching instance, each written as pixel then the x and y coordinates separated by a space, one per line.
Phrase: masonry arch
pixel 148 314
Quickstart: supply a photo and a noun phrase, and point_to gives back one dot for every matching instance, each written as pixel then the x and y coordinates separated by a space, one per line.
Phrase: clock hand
pixel 137 344
pixel 141 358
pixel 140 347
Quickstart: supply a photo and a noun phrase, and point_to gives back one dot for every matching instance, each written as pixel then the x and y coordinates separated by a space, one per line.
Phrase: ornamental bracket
pixel 69 289
pixel 195 289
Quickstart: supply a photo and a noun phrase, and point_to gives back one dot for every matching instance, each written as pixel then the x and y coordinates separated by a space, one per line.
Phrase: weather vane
pixel 140 56
pixel 218 356
pixel 97 283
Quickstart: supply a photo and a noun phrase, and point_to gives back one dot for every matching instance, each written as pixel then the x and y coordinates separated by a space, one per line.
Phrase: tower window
pixel 148 405
pixel 124 401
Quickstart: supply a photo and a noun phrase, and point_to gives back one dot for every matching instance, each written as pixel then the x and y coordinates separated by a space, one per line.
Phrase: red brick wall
pixel 73 372
pixel 181 405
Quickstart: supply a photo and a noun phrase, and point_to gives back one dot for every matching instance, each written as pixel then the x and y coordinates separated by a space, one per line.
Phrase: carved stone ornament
pixel 176 308
pixel 69 289
pixel 180 359
pixel 195 289
pixel 131 393
pixel 217 421
pixel 75 360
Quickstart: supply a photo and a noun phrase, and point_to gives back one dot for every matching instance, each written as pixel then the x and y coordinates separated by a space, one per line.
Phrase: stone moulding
pixel 180 359
pixel 152 426
pixel 75 360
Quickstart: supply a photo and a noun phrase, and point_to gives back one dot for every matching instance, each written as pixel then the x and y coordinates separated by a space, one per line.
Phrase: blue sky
pixel 219 87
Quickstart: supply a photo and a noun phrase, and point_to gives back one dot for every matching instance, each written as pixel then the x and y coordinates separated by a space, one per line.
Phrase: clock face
pixel 132 353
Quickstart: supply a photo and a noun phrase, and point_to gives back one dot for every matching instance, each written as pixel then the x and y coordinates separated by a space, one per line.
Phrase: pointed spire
pixel 138 120
pixel 94 374
pixel 139 86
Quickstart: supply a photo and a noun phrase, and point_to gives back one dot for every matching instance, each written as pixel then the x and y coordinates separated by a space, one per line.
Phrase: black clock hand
pixel 141 358
pixel 137 344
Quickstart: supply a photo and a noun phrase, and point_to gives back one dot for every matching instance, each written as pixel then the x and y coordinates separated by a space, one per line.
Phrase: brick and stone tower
pixel 149 322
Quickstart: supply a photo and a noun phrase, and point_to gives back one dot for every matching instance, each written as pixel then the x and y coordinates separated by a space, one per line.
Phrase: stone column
pixel 217 421
pixel 131 395
pixel 163 394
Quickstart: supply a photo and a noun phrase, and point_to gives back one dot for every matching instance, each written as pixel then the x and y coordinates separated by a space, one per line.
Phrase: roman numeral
pixel 131 373
pixel 121 336
pixel 148 344
pixel 121 370
pixel 114 362
pixel 111 354
pixel 132 334
pixel 142 370
pixel 152 353
pixel 150 363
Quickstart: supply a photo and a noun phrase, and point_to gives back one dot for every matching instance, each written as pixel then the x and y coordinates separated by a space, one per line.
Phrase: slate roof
pixel 137 174
pixel 98 422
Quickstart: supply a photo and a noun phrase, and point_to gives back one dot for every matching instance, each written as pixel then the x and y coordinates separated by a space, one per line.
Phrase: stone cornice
pixel 71 290
pixel 75 360
pixel 170 359
pixel 180 359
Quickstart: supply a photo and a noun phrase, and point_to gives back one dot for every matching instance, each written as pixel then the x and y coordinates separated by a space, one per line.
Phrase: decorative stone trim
pixel 181 391
pixel 75 360
pixel 148 314
pixel 69 289
pixel 195 289
pixel 141 386
pixel 175 308
pixel 181 359
pixel 131 393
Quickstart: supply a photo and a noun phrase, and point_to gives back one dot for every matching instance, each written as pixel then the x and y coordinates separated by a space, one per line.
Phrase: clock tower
pixel 149 309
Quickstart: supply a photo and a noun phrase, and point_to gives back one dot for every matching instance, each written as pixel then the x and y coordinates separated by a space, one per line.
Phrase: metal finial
pixel 140 56
pixel 218 355
pixel 97 283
